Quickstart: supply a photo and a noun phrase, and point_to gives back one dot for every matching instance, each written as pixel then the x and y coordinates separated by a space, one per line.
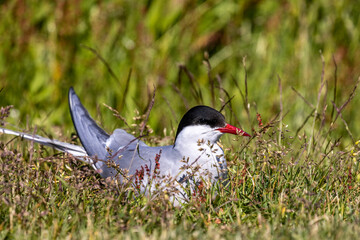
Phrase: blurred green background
pixel 45 49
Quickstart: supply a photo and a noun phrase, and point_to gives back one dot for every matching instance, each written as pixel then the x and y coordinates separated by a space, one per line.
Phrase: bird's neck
pixel 196 141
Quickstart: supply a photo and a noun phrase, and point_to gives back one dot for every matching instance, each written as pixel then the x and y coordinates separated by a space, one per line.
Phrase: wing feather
pixel 92 137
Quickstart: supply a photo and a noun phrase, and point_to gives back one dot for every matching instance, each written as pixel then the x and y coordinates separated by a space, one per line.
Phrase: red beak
pixel 233 130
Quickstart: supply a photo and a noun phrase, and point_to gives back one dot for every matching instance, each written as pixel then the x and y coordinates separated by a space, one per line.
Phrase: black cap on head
pixel 201 115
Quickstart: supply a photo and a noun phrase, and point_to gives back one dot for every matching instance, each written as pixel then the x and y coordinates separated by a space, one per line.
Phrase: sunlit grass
pixel 297 178
pixel 274 191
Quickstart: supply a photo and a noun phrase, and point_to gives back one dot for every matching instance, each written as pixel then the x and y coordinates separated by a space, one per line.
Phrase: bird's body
pixel 195 155
pixel 174 161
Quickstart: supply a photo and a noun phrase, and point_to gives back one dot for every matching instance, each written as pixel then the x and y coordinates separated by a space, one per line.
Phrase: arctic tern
pixel 195 155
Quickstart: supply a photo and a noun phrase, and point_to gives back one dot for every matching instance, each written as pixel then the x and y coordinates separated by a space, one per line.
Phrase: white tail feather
pixel 75 150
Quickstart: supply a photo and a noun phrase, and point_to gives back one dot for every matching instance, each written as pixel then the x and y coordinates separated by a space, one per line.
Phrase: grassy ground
pixel 293 63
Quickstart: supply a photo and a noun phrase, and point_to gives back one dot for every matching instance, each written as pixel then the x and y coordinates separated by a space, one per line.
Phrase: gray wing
pixel 92 137
pixel 76 151
pixel 121 149
pixel 120 138
pixel 130 153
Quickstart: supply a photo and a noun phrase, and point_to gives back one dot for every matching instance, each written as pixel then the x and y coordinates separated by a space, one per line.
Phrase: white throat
pixel 198 145
pixel 192 134
pixel 192 140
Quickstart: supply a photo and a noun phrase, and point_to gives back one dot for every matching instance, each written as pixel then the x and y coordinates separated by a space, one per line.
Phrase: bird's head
pixel 204 123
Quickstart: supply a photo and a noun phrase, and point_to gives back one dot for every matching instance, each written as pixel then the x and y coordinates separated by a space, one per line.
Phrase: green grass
pixel 298 178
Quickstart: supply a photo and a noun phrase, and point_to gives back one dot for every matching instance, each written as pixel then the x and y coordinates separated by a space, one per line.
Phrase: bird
pixel 194 157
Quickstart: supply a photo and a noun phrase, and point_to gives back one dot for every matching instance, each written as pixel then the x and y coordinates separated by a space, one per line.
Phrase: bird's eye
pixel 202 121
pixel 209 122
